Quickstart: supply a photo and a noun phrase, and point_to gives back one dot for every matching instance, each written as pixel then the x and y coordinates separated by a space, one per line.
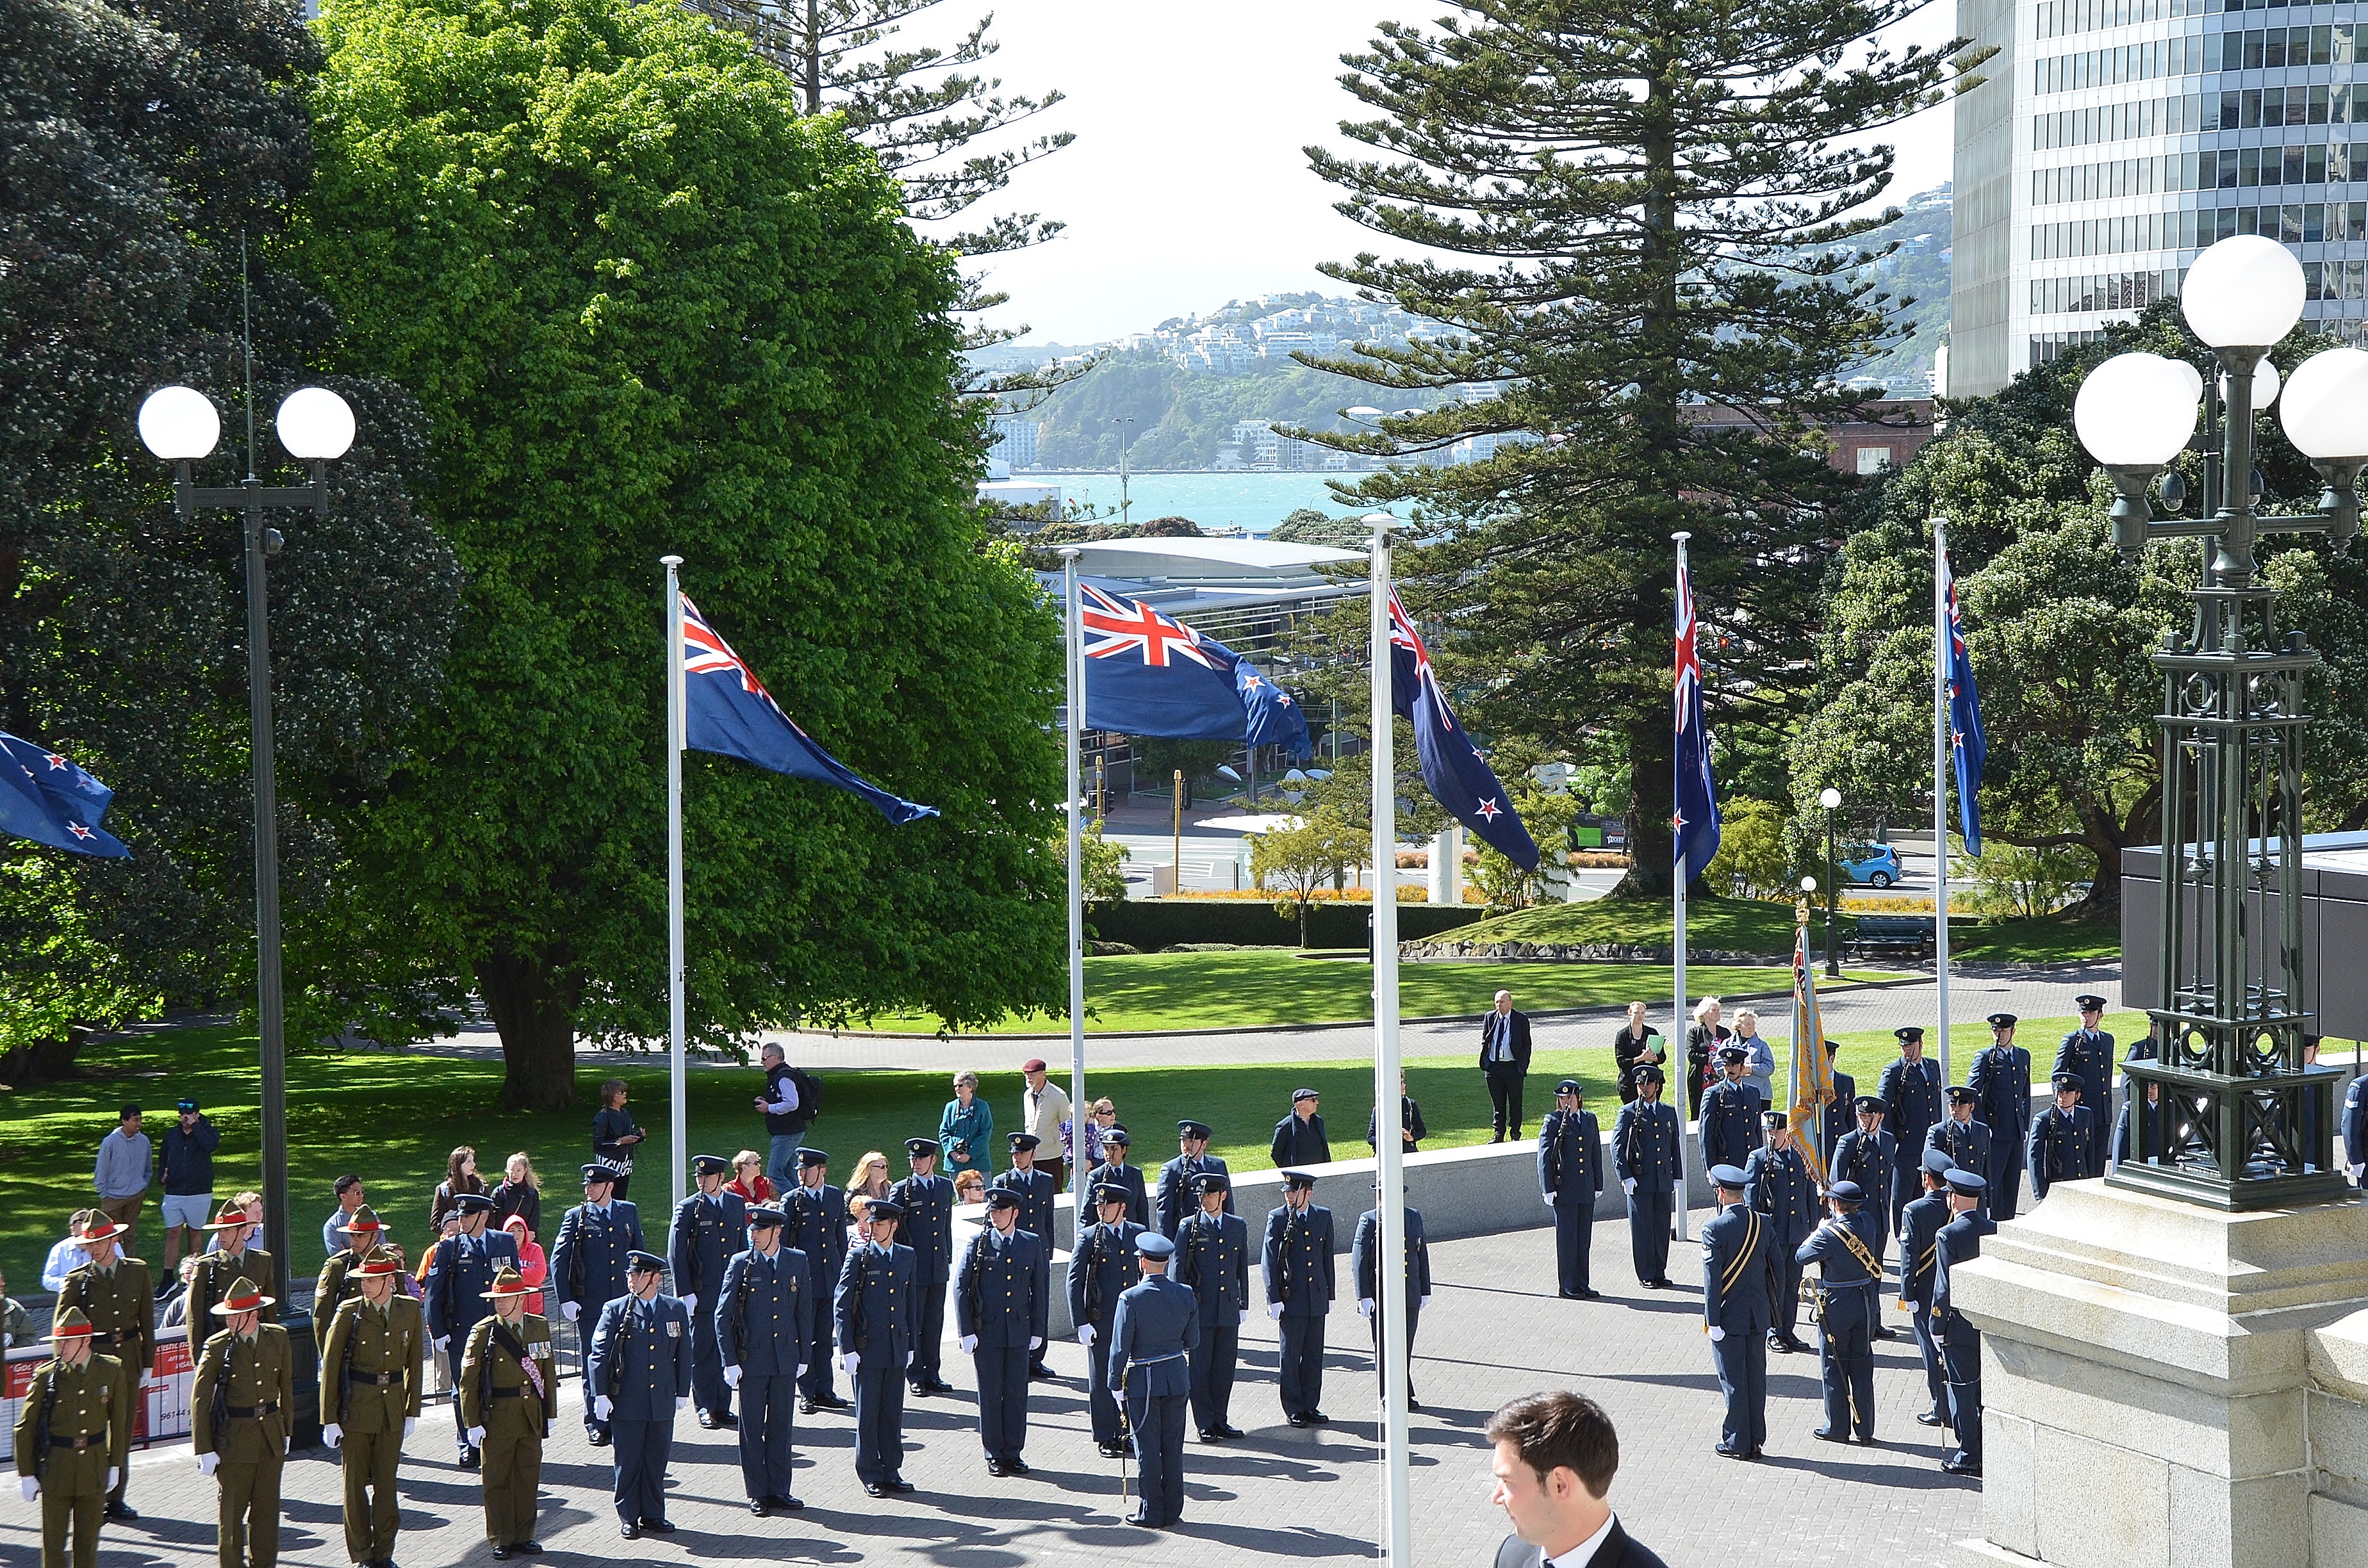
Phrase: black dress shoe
pixel 630 1532
pixel 1571 1295
pixel 995 1467
pixel 786 1502
pixel 1756 1451
pixel 1412 1403
pixel 1723 1452
pixel 707 1420
pixel 597 1437
pixel 1315 1415
pixel 760 1506
pixel 661 1526
pixel 1209 1435
pixel 832 1402
pixel 874 1489
pixel 938 1385
pixel 1930 1418
pixel 1821 1435
pixel 1232 1431
pixel 501 1554
pixel 531 1548
pixel 1866 1439
pixel 472 1459
pixel 1142 1522
pixel 1016 1465
pixel 1962 1467
pixel 807 1407
pixel 1043 1374
pixel 1590 1295
pixel 118 1509
pixel 1295 1418
pixel 899 1485
pixel 727 1421
pixel 1795 1348
pixel 918 1390
pixel 1113 1450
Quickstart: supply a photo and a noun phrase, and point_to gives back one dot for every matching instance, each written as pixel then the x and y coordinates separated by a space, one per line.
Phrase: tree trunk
pixel 1651 787
pixel 535 1012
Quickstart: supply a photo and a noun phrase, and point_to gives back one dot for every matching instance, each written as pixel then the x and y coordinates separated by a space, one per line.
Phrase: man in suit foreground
pixel 1505 1063
pixel 1556 1454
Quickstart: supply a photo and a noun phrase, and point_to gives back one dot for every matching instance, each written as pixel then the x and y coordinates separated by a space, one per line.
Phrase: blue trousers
pixel 1159 1452
pixel 1214 1362
pixel 709 1392
pixel 1002 1399
pixel 1414 1322
pixel 642 1449
pixel 1649 1232
pixel 1741 1359
pixel 2005 1173
pixel 1574 1240
pixel 1100 1401
pixel 878 1423
pixel 1787 1304
pixel 768 1408
pixel 929 1326
pixel 1963 1350
pixel 820 1357
pixel 1846 1363
pixel 1936 1381
pixel 781 1159
pixel 1303 1363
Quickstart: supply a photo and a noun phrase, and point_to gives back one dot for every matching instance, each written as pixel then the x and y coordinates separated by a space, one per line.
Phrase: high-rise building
pixel 1015 442
pixel 2111 141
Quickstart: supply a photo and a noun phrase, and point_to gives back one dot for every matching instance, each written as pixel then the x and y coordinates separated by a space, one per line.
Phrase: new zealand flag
pixel 1148 674
pixel 727 709
pixel 1451 764
pixel 1966 743
pixel 47 799
pixel 1696 823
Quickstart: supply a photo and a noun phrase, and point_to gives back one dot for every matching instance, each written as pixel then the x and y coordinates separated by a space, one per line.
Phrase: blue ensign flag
pixel 1459 777
pixel 46 798
pixel 1149 674
pixel 1695 823
pixel 1966 743
pixel 727 709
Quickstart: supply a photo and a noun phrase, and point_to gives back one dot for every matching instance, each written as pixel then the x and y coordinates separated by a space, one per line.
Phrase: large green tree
pixel 1627 218
pixel 653 310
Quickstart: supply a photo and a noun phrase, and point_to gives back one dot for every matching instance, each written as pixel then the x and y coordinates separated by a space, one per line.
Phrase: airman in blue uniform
pixel 1731 1112
pixel 1036 1190
pixel 1738 1285
pixel 1645 1157
pixel 460 1272
pixel 816 1226
pixel 1002 1306
pixel 1961 1342
pixel 638 1374
pixel 1114 1170
pixel 1102 1267
pixel 1910 1092
pixel 1364 1267
pixel 587 1264
pixel 2000 1080
pixel 1297 1260
pixel 1156 1322
pixel 2061 1136
pixel 1919 1226
pixel 1965 1141
pixel 1841 1111
pixel 1212 1261
pixel 2088 1053
pixel 873 1306
pixel 1865 1156
pixel 1177 1196
pixel 762 1319
pixel 926 1201
pixel 1570 1175
pixel 1850 1269
pixel 1778 1187
pixel 710 1226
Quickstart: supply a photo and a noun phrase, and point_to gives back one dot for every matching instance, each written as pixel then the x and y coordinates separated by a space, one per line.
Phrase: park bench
pixel 1910 934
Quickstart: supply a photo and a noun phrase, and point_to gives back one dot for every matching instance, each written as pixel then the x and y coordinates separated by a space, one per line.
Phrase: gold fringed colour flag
pixel 1813 1070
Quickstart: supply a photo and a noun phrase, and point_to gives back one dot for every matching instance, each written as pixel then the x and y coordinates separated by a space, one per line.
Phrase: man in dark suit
pixel 1300 1138
pixel 1965 1141
pixel 1212 1261
pixel 1001 1313
pixel 763 1317
pixel 1738 1282
pixel 1365 1265
pixel 1556 1454
pixel 1570 1175
pixel 1845 1250
pixel 1841 1111
pixel 1505 1062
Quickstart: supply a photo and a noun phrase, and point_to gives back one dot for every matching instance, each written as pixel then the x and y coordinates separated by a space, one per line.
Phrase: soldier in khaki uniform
pixel 63 1440
pixel 221 1271
pixel 241 1412
pixel 370 1376
pixel 509 1386
pixel 118 1296
pixel 337 1283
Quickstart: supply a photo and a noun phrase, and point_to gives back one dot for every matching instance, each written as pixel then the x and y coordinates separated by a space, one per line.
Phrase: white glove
pixel 332 1434
pixel 114 1476
pixel 1246 1318
pixel 851 1362
pixel 968 1342
pixel 1365 1306
pixel 1549 1198
pixel 1274 1310
pixel 476 1437
pixel 570 1310
pixel 801 1369
pixel 690 1303
pixel 442 1343
pixel 732 1377
pixel 410 1424
pixel 603 1407
pixel 1717 1334
pixel 1085 1333
pixel 1674 1188
pixel 1035 1342
pixel 1422 1302
pixel 2353 1172
pixel 30 1487
pixel 908 1358
pixel 681 1404
pixel 1628 1185
pixel 207 1463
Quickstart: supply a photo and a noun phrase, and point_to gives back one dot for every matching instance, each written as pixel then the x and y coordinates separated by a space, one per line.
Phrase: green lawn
pixel 392 1117
pixel 1259 987
pixel 1749 926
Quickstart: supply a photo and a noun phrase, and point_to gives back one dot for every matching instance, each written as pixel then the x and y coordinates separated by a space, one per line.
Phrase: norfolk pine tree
pixel 1653 204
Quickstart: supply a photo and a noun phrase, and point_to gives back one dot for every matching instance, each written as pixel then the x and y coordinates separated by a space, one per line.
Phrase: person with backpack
pixel 792 1099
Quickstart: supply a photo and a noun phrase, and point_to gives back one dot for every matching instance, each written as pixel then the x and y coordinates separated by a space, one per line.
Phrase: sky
pixel 1185 187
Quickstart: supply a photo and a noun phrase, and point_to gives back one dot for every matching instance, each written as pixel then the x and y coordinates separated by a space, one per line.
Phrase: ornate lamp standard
pixel 2229 1020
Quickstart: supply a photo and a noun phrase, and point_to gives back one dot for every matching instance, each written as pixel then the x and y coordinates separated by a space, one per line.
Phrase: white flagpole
pixel 678 1078
pixel 1682 1067
pixel 1073 646
pixel 1940 760
pixel 1390 1276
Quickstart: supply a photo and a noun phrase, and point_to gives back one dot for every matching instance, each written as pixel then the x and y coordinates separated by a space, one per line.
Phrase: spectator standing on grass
pixel 614 1136
pixel 68 1255
pixel 1759 1056
pixel 1411 1131
pixel 1100 1119
pixel 1703 1042
pixel 350 1197
pixel 1636 1044
pixel 125 1159
pixel 1505 1062
pixel 184 1159
pixel 967 1129
pixel 534 1267
pixel 789 1104
pixel 520 1193
pixel 460 1175
pixel 1300 1138
pixel 1556 1453
pixel 870 1178
pixel 1044 1112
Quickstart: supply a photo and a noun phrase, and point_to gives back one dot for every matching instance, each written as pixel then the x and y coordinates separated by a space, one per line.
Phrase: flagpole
pixel 1390 1277
pixel 677 1085
pixel 1678 967
pixel 1073 658
pixel 1940 783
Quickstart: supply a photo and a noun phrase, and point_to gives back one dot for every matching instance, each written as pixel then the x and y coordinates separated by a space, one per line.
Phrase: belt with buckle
pixel 77 1444
pixel 250 1412
pixel 509 1393
pixel 378 1380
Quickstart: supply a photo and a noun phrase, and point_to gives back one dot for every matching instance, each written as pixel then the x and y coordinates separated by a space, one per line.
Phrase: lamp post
pixel 181 425
pixel 2230 1039
pixel 1831 799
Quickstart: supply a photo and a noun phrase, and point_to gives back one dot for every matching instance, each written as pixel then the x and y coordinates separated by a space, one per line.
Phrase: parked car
pixel 1872 865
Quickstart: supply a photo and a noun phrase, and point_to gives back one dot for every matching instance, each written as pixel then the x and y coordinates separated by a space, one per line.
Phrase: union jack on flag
pixel 705 653
pixel 1695 822
pixel 1116 626
pixel 1458 777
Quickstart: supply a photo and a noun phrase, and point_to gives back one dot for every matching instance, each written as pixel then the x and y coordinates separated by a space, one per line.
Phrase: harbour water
pixel 1253 501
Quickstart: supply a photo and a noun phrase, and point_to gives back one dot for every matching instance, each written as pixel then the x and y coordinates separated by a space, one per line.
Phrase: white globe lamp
pixel 180 423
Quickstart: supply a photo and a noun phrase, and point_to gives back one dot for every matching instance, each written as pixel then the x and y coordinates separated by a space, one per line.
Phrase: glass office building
pixel 2112 139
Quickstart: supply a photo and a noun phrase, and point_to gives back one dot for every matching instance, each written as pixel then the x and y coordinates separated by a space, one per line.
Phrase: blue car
pixel 1873 865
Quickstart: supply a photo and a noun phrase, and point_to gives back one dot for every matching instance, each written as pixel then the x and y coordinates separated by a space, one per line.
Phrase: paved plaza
pixel 1495 1330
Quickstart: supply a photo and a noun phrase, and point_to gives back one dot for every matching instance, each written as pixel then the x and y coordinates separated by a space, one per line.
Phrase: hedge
pixel 1151 923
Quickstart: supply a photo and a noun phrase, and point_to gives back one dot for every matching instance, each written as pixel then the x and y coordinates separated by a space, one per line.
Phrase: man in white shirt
pixel 1556 1454
pixel 1044 1111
